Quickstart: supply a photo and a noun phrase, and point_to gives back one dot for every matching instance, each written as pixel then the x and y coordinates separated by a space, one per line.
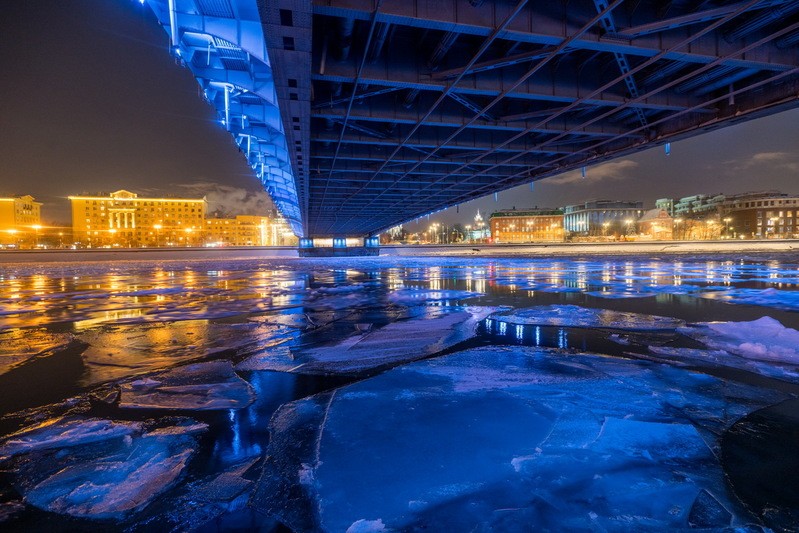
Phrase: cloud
pixel 612 171
pixel 231 200
pixel 775 160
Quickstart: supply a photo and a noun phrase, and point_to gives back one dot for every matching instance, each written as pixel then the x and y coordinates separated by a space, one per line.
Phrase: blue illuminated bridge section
pixel 358 115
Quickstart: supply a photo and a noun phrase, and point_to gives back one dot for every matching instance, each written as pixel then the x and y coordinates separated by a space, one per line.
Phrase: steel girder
pixel 222 42
pixel 392 109
pixel 560 86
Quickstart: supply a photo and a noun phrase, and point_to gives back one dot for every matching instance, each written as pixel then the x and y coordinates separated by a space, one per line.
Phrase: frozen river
pixel 401 394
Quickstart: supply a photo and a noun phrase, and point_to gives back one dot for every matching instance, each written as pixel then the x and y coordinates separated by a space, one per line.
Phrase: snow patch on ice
pixel 305 474
pixel 367 526
pixel 764 339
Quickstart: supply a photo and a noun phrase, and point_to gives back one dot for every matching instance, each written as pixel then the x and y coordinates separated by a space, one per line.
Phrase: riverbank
pixel 479 250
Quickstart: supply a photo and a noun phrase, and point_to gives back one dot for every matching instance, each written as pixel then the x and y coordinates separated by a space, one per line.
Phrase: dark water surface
pixel 69 333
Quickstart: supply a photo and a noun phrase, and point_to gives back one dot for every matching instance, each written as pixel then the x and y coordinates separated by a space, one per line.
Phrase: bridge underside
pixel 392 109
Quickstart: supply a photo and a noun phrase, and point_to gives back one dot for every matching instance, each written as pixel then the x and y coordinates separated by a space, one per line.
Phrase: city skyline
pixel 146 127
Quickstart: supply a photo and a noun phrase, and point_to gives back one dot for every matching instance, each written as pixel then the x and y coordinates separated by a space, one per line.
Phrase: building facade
pixel 530 225
pixel 124 219
pixel 248 230
pixel 775 217
pixel 20 221
pixel 656 224
pixel 602 218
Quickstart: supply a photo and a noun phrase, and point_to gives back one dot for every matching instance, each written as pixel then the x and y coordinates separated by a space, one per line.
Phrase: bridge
pixel 359 115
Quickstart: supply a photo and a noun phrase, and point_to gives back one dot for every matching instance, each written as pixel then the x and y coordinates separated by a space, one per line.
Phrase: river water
pixel 388 393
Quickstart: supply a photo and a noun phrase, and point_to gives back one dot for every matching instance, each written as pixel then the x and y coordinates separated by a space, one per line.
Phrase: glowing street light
pixel 157 228
pixel 36 228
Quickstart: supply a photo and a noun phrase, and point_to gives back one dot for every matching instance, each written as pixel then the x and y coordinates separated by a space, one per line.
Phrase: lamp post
pixel 468 233
pixel 36 228
pixel 710 224
pixel 113 233
pixel 13 233
pixel 157 228
pixel 727 227
pixel 434 232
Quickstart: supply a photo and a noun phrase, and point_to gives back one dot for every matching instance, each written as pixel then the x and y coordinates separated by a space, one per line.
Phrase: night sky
pixel 92 102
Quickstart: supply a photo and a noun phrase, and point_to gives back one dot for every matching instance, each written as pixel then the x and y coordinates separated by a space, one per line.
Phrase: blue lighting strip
pixel 222 43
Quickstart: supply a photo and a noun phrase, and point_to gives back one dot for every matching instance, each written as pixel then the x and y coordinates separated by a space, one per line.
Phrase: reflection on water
pixel 67 329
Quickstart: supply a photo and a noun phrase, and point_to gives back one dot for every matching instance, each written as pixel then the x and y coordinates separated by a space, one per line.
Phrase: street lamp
pixel 468 233
pixel 13 233
pixel 113 233
pixel 157 228
pixel 727 226
pixel 36 228
pixel 434 232
pixel 188 236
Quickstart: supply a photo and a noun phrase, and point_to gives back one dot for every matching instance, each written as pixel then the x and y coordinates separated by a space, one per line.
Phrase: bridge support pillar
pixel 307 248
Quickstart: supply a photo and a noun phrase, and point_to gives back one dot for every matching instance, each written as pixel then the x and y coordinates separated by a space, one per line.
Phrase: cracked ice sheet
pixel 574 316
pixel 106 478
pixel 518 439
pixel 722 358
pixel 421 296
pixel 122 351
pixel 775 298
pixel 64 433
pixel 397 342
pixel 199 387
pixel 764 339
pixel 17 346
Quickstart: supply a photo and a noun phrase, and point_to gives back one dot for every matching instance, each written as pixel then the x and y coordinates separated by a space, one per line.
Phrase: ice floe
pixel 583 317
pixel 418 296
pixel 513 439
pixel 65 433
pixel 19 346
pixel 764 339
pixel 95 468
pixel 397 342
pixel 775 298
pixel 201 387
pixel 114 485
pixel 204 500
pixel 723 358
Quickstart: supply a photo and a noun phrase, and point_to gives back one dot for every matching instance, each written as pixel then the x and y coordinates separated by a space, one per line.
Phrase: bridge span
pixel 358 115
